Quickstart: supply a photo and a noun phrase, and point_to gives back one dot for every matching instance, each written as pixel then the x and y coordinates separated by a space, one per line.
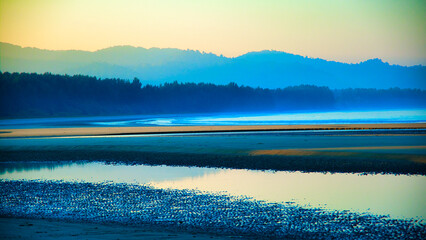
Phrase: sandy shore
pixel 19 228
pixel 99 131
pixel 160 212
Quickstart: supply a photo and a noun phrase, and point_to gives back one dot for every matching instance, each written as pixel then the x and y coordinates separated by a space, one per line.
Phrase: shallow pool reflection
pixel 398 196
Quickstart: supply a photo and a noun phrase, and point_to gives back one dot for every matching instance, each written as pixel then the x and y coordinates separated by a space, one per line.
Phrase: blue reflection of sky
pixel 222 119
pixel 270 119
pixel 318 117
pixel 99 172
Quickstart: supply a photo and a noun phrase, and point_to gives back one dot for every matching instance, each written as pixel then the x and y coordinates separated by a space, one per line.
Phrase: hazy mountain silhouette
pixel 268 69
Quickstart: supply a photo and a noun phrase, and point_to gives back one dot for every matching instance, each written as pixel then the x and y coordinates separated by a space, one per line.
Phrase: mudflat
pixel 20 228
pixel 376 148
pixel 100 131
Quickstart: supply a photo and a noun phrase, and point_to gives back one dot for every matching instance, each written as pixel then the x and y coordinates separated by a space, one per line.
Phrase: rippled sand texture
pixel 346 152
pixel 193 211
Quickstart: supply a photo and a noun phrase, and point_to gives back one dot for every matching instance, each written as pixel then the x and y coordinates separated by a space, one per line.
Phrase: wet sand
pixel 20 228
pixel 104 131
pixel 366 151
pixel 346 152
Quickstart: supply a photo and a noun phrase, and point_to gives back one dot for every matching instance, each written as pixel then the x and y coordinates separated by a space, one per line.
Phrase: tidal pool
pixel 399 196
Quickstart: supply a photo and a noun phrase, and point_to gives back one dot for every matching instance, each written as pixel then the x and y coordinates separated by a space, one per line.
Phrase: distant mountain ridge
pixel 267 69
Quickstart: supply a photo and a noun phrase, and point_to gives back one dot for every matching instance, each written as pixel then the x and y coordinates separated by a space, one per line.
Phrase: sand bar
pixel 99 131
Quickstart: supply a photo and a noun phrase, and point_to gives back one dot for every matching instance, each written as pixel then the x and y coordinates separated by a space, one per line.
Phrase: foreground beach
pixel 193 211
pixel 47 229
pixel 87 210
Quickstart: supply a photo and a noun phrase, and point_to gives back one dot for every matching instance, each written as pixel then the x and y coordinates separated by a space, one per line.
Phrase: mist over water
pixel 318 118
pixel 341 117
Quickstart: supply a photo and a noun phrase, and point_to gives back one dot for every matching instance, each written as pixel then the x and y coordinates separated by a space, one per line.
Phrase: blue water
pixel 394 116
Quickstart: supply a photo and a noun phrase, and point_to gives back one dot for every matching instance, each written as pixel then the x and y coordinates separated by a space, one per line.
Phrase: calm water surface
pixel 398 196
pixel 393 116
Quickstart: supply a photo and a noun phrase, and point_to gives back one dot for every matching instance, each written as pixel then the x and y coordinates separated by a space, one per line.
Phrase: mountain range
pixel 266 69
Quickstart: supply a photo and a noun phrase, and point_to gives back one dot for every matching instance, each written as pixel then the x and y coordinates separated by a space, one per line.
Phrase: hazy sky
pixel 342 30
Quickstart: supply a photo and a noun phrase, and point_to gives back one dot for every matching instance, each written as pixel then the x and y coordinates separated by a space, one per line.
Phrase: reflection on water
pixel 398 196
pixel 15 167
pixel 99 172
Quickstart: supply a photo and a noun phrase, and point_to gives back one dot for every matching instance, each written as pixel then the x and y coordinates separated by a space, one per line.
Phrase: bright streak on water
pixel 286 118
pixel 402 116
pixel 321 117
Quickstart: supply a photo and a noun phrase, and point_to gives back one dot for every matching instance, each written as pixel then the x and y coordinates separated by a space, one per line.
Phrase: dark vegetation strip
pixel 194 211
pixel 335 164
pixel 44 95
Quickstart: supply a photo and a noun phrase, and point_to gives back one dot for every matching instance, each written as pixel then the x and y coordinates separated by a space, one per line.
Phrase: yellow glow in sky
pixel 349 31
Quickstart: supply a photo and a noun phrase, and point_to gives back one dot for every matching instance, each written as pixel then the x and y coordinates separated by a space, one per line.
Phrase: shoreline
pixel 108 131
pixel 371 163
pixel 192 211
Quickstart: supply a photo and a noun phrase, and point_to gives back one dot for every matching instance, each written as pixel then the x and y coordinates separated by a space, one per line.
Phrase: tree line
pixel 44 95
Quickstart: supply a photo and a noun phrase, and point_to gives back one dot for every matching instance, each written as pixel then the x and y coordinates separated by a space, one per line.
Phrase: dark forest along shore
pixel 24 95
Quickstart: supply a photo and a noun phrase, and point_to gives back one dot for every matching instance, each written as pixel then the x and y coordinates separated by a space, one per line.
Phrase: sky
pixel 339 30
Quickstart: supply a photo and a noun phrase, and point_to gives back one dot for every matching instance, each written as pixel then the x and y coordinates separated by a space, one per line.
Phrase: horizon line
pixel 216 54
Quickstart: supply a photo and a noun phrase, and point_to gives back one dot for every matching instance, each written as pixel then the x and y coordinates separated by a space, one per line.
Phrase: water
pixel 394 116
pixel 398 196
pixel 317 118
